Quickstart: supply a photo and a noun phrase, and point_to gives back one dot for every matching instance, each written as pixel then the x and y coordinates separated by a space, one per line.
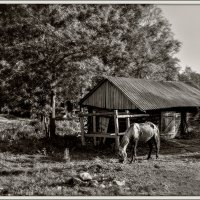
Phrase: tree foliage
pixel 190 77
pixel 68 47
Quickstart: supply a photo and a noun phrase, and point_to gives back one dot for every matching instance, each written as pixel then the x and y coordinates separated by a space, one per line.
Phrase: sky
pixel 185 21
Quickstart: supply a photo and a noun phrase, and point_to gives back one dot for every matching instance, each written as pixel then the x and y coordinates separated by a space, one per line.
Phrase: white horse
pixel 146 132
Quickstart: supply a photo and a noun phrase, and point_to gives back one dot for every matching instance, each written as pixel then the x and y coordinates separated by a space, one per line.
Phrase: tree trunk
pixel 53 115
pixel 46 126
pixel 183 123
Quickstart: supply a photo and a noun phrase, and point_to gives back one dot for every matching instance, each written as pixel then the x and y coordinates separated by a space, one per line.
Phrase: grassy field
pixel 36 167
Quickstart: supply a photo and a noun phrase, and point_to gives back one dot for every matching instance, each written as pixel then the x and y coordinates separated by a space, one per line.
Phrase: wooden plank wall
pixel 109 97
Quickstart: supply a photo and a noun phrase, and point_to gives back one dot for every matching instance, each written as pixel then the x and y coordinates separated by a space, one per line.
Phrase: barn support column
pixel 82 129
pixel 116 121
pixel 94 127
pixel 127 119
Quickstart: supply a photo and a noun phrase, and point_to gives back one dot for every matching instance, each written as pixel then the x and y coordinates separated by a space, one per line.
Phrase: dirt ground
pixel 176 172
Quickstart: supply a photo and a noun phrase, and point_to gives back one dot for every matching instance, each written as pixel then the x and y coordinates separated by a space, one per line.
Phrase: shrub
pixel 15 129
pixel 67 127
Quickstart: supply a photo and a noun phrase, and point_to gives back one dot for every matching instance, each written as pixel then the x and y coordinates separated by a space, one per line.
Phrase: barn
pixel 109 108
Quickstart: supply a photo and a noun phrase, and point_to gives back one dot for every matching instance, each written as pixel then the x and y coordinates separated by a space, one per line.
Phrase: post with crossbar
pixel 116 121
pixel 127 120
pixel 82 129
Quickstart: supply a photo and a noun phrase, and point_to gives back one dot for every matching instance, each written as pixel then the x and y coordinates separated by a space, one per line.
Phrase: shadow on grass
pixel 48 151
pixel 91 152
pixel 56 184
pixel 50 159
pixel 53 150
pixel 36 145
pixel 197 157
pixel 19 160
pixel 12 172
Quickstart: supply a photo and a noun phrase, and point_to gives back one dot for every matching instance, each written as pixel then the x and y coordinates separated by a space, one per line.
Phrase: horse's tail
pixel 157 136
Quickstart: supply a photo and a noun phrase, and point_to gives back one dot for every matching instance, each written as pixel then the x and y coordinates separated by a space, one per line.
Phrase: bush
pixel 67 127
pixel 16 129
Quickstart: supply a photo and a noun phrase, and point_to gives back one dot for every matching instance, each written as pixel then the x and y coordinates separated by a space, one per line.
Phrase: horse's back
pixel 147 131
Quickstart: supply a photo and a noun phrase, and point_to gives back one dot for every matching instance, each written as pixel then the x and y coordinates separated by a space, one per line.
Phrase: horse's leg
pixel 157 145
pixel 125 158
pixel 125 154
pixel 134 153
pixel 135 148
pixel 150 148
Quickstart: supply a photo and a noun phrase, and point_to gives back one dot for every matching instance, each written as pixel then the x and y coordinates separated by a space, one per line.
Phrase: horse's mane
pixel 126 138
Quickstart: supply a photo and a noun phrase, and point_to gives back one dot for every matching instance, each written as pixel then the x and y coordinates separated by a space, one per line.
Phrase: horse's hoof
pixel 135 160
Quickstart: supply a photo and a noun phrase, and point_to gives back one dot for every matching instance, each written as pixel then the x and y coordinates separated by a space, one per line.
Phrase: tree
pixel 60 50
pixel 190 77
pixel 150 44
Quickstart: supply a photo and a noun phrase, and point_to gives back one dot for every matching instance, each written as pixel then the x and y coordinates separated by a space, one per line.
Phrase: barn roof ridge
pixel 148 94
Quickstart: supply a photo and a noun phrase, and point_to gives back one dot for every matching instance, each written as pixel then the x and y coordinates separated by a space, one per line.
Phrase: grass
pixel 175 173
pixel 36 167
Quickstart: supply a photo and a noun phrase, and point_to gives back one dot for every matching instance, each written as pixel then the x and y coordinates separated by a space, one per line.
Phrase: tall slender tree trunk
pixel 53 115
pixel 184 125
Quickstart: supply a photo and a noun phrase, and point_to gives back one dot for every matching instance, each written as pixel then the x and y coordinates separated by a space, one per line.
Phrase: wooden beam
pixel 101 135
pixel 120 115
pixel 95 114
pixel 97 134
pixel 94 127
pixel 127 120
pixel 116 121
pixel 133 116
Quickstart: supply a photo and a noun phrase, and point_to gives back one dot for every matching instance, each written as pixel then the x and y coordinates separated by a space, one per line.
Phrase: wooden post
pixel 82 130
pixel 116 121
pixel 127 120
pixel 94 127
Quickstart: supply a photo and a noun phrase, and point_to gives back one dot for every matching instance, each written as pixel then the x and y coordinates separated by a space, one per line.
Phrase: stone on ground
pixel 85 176
pixel 94 183
pixel 119 183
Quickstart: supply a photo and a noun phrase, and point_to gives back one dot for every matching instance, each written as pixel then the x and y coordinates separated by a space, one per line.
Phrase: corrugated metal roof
pixel 148 94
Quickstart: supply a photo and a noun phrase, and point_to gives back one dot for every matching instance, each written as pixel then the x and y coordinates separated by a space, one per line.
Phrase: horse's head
pixel 122 154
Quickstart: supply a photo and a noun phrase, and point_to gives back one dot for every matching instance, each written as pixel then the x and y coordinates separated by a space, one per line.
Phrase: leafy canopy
pixel 68 47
